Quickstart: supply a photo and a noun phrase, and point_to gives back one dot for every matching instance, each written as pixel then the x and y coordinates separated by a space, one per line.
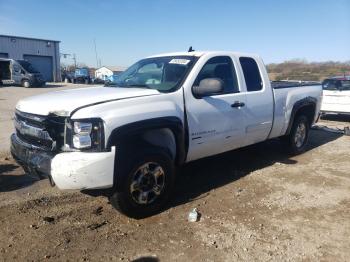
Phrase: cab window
pixel 251 74
pixel 220 67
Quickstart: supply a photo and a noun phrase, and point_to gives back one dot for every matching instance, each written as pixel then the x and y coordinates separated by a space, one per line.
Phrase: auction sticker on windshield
pixel 179 61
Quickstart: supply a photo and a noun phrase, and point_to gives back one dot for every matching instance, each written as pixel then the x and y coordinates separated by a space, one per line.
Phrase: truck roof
pixel 201 53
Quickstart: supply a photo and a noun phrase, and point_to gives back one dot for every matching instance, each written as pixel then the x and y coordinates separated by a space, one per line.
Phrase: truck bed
pixel 288 84
pixel 286 94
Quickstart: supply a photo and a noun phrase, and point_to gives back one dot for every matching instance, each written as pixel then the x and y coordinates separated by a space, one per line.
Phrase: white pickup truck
pixel 162 112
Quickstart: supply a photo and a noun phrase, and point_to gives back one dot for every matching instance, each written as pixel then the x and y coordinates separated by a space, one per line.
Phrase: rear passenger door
pixel 216 122
pixel 260 105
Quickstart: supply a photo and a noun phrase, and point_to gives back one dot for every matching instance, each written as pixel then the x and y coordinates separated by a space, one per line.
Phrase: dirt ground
pixel 256 204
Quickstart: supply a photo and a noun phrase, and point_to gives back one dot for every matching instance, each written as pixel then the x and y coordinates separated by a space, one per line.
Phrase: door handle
pixel 238 104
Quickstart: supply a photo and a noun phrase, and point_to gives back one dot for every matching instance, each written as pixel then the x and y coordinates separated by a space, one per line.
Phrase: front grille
pixel 46 132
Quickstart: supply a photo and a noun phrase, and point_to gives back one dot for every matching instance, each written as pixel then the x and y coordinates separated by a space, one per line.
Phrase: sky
pixel 126 31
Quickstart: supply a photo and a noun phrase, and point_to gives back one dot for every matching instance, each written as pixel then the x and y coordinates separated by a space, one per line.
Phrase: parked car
pixel 336 96
pixel 164 111
pixel 81 75
pixel 19 72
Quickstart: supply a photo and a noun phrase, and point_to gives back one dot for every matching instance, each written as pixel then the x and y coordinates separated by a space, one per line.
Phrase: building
pixel 43 54
pixel 107 71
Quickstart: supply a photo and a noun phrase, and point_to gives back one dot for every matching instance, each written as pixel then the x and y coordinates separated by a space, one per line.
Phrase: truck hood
pixel 65 101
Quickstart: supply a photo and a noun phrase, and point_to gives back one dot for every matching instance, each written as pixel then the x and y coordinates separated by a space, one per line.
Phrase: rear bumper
pixel 68 170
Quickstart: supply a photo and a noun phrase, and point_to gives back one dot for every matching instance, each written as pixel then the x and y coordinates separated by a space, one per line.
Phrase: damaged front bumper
pixel 68 170
pixel 34 160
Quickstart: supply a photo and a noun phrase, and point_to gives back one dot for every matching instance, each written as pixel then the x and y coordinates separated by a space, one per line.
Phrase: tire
pixel 298 136
pixel 26 83
pixel 139 193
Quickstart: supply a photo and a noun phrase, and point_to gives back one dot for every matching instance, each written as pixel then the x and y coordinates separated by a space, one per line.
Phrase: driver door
pixel 216 123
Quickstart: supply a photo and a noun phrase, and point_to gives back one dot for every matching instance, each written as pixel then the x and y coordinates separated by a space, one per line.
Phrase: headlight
pixel 87 134
pixel 82 141
pixel 81 127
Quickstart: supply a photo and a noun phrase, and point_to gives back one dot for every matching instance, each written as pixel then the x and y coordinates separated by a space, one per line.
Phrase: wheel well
pixel 307 107
pixel 167 133
pixel 308 111
pixel 160 137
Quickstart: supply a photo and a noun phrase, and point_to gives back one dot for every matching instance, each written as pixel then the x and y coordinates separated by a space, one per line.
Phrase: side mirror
pixel 208 87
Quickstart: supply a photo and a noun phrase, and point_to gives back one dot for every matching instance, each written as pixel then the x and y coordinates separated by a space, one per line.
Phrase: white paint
pixel 68 100
pixel 336 101
pixel 83 170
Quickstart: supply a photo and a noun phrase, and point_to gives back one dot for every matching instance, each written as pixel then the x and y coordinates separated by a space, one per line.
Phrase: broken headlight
pixel 85 134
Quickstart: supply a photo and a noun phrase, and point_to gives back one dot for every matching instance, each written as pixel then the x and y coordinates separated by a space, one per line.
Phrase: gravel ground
pixel 256 203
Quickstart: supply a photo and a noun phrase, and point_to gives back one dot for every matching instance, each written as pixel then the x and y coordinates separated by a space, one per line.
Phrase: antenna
pixel 190 49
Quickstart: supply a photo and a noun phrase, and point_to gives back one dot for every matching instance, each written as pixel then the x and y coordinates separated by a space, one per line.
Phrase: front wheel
pixel 26 83
pixel 299 135
pixel 146 182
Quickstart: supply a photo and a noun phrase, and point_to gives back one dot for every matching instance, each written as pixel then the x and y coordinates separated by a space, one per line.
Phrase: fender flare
pixel 175 124
pixel 307 101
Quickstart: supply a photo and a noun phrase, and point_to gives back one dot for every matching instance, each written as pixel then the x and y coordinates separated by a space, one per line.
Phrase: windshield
pixel 164 74
pixel 27 66
pixel 335 84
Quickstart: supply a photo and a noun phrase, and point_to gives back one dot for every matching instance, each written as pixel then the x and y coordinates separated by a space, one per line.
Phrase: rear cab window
pixel 251 74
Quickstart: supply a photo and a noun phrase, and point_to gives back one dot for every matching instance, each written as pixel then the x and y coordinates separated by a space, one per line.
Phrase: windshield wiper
pixel 138 85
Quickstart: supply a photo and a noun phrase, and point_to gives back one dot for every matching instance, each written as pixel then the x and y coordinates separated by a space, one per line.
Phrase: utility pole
pixel 75 61
pixel 96 53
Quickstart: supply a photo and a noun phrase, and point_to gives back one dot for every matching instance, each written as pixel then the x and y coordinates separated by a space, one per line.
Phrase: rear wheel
pixel 299 135
pixel 26 83
pixel 145 181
